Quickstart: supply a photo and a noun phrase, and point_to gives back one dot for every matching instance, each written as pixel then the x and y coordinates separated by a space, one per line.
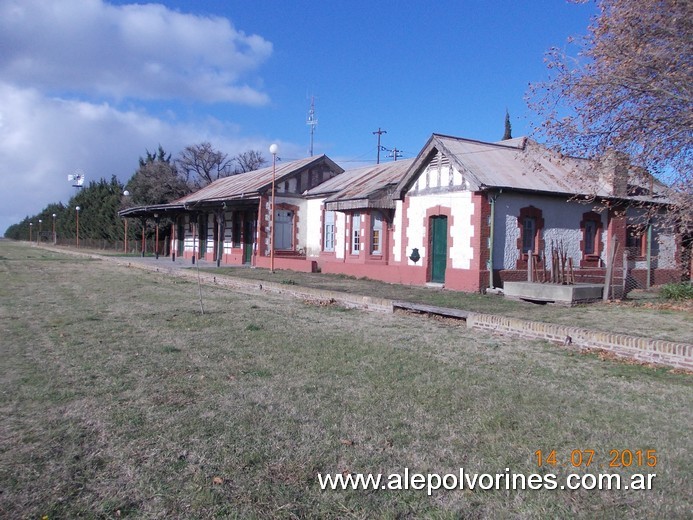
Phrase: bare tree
pixel 200 165
pixel 627 88
pixel 249 161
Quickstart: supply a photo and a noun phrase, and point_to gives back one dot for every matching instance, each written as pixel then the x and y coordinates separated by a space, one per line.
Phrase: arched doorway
pixel 438 247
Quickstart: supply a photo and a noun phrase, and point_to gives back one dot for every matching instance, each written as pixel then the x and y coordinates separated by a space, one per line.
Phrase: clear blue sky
pixel 91 85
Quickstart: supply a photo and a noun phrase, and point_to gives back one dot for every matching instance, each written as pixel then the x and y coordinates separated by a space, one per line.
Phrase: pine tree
pixel 508 129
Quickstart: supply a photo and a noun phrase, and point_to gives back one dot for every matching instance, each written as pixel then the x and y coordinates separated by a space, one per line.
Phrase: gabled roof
pixel 367 187
pixel 252 184
pixel 244 186
pixel 518 164
pixel 505 164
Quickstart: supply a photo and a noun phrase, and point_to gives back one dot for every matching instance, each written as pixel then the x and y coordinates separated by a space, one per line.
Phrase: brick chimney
pixel 614 173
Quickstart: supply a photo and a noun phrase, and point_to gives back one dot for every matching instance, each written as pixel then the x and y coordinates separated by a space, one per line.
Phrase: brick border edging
pixel 648 350
pixel 679 355
pixel 251 286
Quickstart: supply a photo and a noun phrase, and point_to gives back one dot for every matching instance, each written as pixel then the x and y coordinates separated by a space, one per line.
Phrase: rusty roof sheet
pixel 516 164
pixel 250 184
pixel 363 183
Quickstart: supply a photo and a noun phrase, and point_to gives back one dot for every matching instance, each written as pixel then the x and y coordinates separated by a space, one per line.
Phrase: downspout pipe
pixel 492 226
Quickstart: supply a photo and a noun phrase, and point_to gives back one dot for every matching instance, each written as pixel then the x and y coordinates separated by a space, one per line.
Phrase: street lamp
pixel 156 236
pixel 38 237
pixel 273 150
pixel 31 226
pixel 126 193
pixel 55 237
pixel 77 223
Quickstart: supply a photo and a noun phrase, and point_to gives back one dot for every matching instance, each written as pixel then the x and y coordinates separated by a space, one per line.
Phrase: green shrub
pixel 677 291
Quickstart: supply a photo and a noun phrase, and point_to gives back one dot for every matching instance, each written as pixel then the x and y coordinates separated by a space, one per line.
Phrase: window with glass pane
pixel 283 229
pixel 355 233
pixel 328 232
pixel 376 233
pixel 529 229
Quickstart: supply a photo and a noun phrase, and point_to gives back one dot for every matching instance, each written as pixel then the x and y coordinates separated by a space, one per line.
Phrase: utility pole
pixel 379 132
pixel 396 153
pixel 312 122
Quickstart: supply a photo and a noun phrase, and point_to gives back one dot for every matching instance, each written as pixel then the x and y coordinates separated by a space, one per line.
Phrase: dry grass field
pixel 119 399
pixel 641 315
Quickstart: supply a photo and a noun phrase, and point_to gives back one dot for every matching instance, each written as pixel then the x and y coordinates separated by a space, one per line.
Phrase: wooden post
pixel 544 279
pixel 610 266
pixel 221 231
pixel 194 232
pixel 625 270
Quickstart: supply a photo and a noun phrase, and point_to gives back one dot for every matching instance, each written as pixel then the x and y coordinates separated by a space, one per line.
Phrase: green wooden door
pixel 439 248
pixel 181 240
pixel 248 238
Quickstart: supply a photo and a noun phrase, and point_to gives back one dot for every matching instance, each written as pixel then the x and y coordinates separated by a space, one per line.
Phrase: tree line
pixel 159 179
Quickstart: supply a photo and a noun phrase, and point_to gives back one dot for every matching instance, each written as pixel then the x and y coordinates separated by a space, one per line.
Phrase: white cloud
pixel 132 51
pixel 75 79
pixel 43 139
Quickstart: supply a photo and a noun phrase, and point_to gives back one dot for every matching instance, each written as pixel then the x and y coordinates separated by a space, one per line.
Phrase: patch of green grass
pixel 677 291
pixel 259 372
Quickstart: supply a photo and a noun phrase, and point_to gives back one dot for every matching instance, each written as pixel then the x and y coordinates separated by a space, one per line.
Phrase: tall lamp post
pixel 55 237
pixel 38 237
pixel 31 226
pixel 144 224
pixel 156 236
pixel 273 150
pixel 77 223
pixel 126 193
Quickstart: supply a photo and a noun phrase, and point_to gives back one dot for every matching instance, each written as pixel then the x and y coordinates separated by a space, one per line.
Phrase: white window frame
pixel 355 233
pixel 328 231
pixel 376 233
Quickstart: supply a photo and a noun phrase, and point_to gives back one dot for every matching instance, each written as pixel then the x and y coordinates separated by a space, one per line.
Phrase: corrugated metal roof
pixel 250 184
pixel 335 184
pixel 364 183
pixel 518 164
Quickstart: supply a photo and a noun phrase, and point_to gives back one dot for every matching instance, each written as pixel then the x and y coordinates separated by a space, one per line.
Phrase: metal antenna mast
pixel 312 122
pixel 379 132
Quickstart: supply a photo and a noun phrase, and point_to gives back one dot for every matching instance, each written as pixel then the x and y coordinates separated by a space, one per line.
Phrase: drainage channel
pixel 447 312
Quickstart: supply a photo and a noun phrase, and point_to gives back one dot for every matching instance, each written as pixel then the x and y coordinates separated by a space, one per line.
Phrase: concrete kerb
pixel 646 350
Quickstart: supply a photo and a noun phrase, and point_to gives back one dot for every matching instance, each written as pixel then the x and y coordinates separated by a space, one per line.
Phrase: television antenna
pixel 312 122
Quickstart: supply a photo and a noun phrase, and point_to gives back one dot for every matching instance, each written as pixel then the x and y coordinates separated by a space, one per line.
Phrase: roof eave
pixel 353 204
pixel 511 189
